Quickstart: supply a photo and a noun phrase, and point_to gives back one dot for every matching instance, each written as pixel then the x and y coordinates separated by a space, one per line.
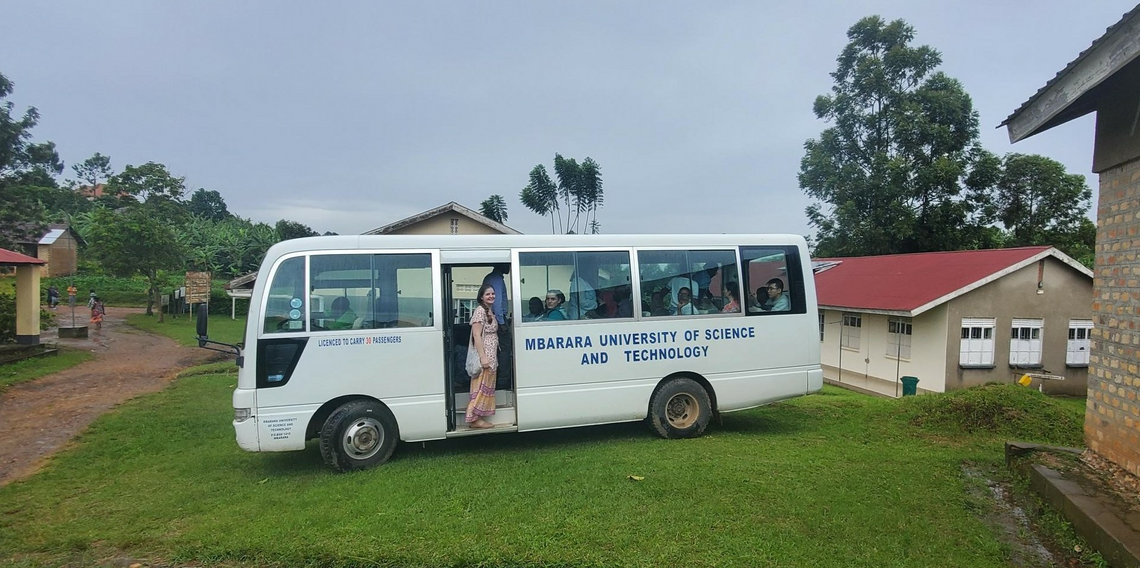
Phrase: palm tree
pixel 494 208
pixel 541 196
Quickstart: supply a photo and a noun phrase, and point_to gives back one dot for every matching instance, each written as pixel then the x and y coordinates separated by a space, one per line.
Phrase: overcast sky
pixel 348 116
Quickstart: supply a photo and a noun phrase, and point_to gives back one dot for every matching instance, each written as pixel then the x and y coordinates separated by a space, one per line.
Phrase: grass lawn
pixel 28 369
pixel 833 479
pixel 183 329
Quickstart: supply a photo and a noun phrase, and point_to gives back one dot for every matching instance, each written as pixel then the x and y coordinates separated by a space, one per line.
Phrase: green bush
pixel 8 318
pixel 113 290
pixel 1007 410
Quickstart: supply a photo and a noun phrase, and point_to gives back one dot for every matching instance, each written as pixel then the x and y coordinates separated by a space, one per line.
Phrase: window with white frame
pixel 1080 342
pixel 898 337
pixel 1025 341
pixel 977 348
pixel 821 326
pixel 849 336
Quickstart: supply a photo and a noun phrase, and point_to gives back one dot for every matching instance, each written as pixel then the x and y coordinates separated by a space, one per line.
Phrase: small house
pixel 955 320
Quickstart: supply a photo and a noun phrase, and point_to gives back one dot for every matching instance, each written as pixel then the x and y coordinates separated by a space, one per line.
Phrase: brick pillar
pixel 1112 415
pixel 28 304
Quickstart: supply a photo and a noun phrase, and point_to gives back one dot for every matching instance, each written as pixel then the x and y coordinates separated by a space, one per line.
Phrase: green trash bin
pixel 910 386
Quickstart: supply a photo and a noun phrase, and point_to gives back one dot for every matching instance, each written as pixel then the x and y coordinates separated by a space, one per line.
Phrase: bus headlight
pixel 241 414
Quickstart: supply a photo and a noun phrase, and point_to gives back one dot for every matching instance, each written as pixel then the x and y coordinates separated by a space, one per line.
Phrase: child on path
pixel 97 312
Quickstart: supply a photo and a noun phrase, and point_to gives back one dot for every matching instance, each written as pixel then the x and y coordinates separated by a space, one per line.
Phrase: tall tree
pixel 153 185
pixel 208 205
pixel 889 173
pixel 93 170
pixel 494 208
pixel 579 187
pixel 134 241
pixel 1037 203
pixel 287 229
pixel 541 196
pixel 23 165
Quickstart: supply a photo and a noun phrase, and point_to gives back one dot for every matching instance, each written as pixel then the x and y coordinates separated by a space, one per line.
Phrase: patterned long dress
pixel 482 402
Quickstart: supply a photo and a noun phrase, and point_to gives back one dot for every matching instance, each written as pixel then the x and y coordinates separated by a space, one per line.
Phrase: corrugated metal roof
pixel 51 236
pixel 1080 57
pixel 905 283
pixel 12 258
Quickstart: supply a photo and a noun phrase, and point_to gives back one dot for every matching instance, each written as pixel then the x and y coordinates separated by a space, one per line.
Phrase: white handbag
pixel 474 366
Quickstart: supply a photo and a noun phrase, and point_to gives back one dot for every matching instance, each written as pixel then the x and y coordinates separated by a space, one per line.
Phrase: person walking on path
pixel 71 292
pixel 97 312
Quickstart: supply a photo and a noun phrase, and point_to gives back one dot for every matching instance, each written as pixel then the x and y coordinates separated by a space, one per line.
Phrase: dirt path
pixel 39 417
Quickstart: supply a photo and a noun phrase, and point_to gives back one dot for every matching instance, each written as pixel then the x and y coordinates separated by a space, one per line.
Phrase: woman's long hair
pixel 479 296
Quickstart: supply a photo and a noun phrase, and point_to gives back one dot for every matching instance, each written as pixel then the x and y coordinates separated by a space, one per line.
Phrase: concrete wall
pixel 1066 295
pixel 871 368
pixel 1112 418
pixel 441 225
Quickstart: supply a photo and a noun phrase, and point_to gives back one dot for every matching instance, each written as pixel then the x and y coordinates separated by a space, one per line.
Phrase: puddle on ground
pixel 1010 522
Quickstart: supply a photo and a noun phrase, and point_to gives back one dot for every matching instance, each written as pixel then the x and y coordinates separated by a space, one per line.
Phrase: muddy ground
pixel 39 417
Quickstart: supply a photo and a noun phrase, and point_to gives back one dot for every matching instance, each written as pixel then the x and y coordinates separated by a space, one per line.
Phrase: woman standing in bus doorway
pixel 484 335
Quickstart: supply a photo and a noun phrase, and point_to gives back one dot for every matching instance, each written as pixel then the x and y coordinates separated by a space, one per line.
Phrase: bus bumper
pixel 814 381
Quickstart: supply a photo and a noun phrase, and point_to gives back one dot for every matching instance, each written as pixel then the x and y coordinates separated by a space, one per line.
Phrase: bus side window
pixel 402 290
pixel 772 281
pixel 573 285
pixel 285 306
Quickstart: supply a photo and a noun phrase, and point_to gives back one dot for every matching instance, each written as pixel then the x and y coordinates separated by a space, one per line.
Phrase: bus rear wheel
pixel 680 409
pixel 358 435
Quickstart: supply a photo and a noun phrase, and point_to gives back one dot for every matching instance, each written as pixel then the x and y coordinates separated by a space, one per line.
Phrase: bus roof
pixel 474 242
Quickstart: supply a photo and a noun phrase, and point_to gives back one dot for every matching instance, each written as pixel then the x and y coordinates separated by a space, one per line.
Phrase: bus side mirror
pixel 203 322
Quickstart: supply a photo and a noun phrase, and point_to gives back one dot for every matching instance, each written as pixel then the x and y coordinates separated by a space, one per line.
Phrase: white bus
pixel 629 348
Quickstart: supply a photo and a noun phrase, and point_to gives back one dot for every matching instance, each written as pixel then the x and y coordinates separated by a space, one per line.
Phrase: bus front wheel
pixel 358 435
pixel 680 409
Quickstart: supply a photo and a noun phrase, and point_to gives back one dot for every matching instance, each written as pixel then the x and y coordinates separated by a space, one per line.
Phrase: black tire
pixel 680 409
pixel 359 435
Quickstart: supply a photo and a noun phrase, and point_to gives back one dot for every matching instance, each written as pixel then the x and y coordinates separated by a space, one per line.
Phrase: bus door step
pixel 503 419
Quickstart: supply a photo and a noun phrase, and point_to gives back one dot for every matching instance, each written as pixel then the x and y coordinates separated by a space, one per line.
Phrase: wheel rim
pixel 682 411
pixel 363 439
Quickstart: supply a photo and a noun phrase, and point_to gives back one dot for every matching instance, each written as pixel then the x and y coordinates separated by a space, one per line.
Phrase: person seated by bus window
pixel 624 302
pixel 536 311
pixel 775 299
pixel 733 305
pixel 554 301
pixel 685 302
pixel 657 305
pixel 675 285
pixel 342 315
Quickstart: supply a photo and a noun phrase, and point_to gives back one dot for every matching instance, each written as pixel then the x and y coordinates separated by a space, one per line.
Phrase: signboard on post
pixel 197 287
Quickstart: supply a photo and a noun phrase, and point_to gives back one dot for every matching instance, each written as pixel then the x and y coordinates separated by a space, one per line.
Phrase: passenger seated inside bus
pixel 624 302
pixel 684 302
pixel 554 301
pixel 342 316
pixel 772 298
pixel 535 310
pixel 657 305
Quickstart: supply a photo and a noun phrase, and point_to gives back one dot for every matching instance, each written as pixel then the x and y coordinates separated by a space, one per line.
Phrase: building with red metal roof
pixel 955 319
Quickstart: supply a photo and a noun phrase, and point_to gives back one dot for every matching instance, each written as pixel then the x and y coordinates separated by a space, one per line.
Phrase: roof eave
pixel 879 311
pixel 1064 97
